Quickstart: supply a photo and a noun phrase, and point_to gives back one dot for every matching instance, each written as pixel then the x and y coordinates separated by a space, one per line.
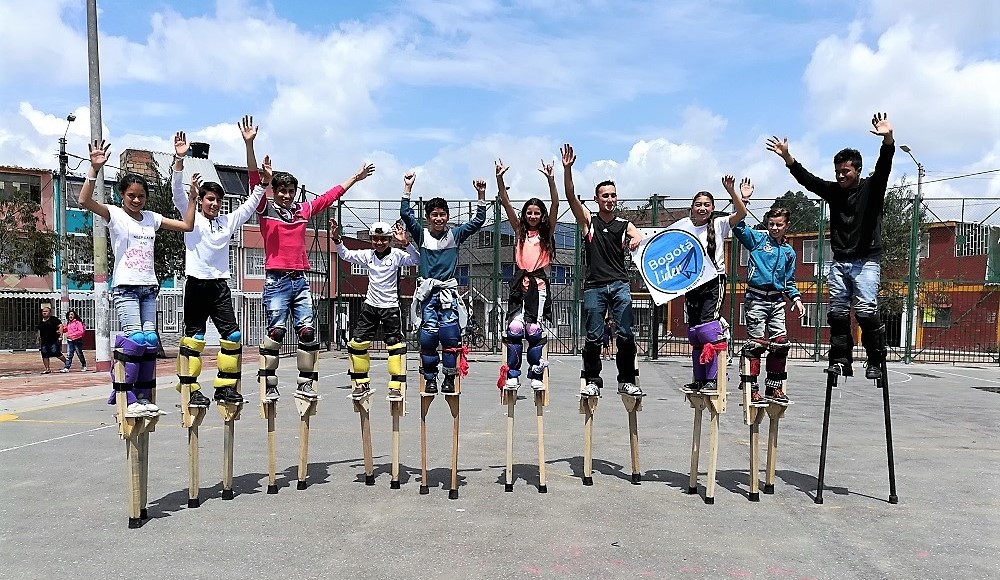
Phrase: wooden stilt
pixel 269 411
pixel 542 401
pixel 306 408
pixel 425 406
pixel 698 404
pixel 774 412
pixel 633 405
pixel 362 406
pixel 191 418
pixel 132 454
pixel 397 409
pixel 510 398
pixel 588 405
pixel 453 405
pixel 756 415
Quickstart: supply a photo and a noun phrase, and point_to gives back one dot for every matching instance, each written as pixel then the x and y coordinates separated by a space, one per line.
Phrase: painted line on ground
pixel 56 438
pixel 908 377
pixel 967 377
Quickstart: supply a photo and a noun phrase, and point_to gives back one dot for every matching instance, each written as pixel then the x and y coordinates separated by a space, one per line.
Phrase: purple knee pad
pixel 697 369
pixel 709 333
pixel 135 351
pixel 146 381
pixel 516 327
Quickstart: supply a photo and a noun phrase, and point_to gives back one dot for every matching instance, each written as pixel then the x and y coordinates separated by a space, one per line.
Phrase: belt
pixel 762 293
pixel 285 273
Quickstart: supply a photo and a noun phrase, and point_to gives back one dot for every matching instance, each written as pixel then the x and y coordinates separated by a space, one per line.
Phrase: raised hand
pixel 408 180
pixel 181 145
pixel 548 170
pixel 247 128
pixel 746 189
pixel 399 232
pixel 333 228
pixel 779 147
pixel 729 182
pixel 195 187
pixel 882 127
pixel 500 168
pixel 480 185
pixel 98 153
pixel 367 169
pixel 265 170
pixel 568 156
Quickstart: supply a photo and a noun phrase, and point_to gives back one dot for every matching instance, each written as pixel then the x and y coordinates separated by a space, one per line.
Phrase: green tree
pixel 26 244
pixel 897 229
pixel 805 212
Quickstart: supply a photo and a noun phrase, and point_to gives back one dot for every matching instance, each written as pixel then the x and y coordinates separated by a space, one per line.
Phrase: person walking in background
pixel 47 338
pixel 74 331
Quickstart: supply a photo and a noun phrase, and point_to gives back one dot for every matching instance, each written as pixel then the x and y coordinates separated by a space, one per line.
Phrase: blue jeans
pixel 136 308
pixel 857 280
pixel 616 300
pixel 77 347
pixel 284 293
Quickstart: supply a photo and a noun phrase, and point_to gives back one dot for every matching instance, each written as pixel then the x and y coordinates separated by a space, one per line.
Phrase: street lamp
pixel 914 253
pixel 63 200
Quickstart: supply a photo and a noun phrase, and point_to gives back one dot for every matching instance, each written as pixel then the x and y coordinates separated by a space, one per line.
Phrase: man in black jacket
pixel 856 207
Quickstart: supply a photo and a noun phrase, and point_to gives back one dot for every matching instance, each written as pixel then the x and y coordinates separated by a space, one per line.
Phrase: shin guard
pixel 269 351
pixel 515 345
pixel 710 335
pixel 360 362
pixel 428 353
pixel 592 359
pixel 189 356
pixel 697 368
pixel 128 356
pixel 307 361
pixel 146 381
pixel 396 365
pixel 451 339
pixel 750 355
pixel 536 343
pixel 625 359
pixel 841 341
pixel 777 358
pixel 229 363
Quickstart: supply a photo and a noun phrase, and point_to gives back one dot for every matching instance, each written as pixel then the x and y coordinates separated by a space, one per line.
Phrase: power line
pixel 963 175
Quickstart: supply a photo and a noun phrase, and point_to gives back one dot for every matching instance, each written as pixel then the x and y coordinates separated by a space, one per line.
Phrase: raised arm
pixel 412 257
pixel 245 211
pixel 188 223
pixel 472 226
pixel 336 192
pixel 177 177
pixel 406 211
pixel 249 132
pixel 581 213
pixel 352 256
pixel 98 157
pixel 820 187
pixel 729 182
pixel 880 176
pixel 548 170
pixel 512 218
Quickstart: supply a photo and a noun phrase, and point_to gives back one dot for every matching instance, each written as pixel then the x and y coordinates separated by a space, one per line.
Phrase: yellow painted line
pixel 55 422
pixel 7 418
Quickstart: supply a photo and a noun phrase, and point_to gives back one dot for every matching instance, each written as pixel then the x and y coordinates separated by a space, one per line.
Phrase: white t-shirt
pixel 132 242
pixel 722 231
pixel 383 275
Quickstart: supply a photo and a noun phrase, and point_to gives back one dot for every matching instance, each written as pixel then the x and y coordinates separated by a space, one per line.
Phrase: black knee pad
pixel 277 334
pixel 754 348
pixel 840 322
pixel 307 334
pixel 868 320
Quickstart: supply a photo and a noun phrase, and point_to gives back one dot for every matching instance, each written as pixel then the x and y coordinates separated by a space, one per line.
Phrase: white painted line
pixel 908 377
pixel 56 438
pixel 967 377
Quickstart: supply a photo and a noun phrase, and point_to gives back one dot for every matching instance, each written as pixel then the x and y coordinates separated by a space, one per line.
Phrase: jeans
pixel 765 318
pixel 858 280
pixel 284 293
pixel 615 299
pixel 77 347
pixel 136 308
pixel 439 324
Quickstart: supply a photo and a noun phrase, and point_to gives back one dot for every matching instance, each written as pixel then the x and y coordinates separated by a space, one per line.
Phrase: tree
pixel 26 245
pixel 805 212
pixel 897 230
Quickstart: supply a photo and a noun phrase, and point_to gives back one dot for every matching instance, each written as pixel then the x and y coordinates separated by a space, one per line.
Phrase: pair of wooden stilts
pixel 306 407
pixel 362 406
pixel 588 406
pixel 509 398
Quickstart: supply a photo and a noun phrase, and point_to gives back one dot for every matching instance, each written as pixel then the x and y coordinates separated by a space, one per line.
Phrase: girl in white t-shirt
pixel 703 305
pixel 135 286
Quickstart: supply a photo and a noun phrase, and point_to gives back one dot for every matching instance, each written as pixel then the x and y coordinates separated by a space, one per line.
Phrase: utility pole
pixel 102 336
pixel 63 200
pixel 911 283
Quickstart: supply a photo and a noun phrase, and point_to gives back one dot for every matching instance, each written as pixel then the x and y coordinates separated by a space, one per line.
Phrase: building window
pixel 562 275
pixel 506 240
pixel 564 238
pixel 317 262
pixel 744 256
pixel 253 265
pixel 810 255
pixel 462 275
pixel 743 314
pixel 359 269
pixel 79 256
pixel 485 238
pixel 936 317
pixel 809 319
pixel 971 240
pixel 12 184
pixel 507 271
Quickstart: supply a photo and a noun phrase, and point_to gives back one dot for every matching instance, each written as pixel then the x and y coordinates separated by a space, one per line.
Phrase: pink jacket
pixel 74 330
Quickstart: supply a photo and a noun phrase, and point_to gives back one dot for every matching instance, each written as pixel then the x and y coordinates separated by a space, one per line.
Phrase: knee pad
pixel 451 335
pixel 868 320
pixel 189 354
pixel 750 358
pixel 235 336
pixel 428 340
pixel 360 362
pixel 138 337
pixel 516 328
pixel 128 356
pixel 779 346
pixel 840 322
pixel 396 365
pixel 152 339
pixel 874 340
pixel 228 361
pixel 307 334
pixel 626 347
pixel 777 357
pixel 754 347
pixel 515 347
pixel 536 344
pixel 277 334
pixel 307 361
pixel 533 328
pixel 269 351
pixel 710 332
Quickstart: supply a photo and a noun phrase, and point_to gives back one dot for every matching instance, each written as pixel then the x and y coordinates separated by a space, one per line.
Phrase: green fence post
pixel 820 235
pixel 654 323
pixel 911 280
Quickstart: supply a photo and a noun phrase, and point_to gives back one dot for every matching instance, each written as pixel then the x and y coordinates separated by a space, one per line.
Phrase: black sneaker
pixel 873 371
pixel 694 386
pixel 756 398
pixel 198 399
pixel 778 396
pixel 709 387
pixel 271 393
pixel 228 395
pixel 448 385
pixel 430 386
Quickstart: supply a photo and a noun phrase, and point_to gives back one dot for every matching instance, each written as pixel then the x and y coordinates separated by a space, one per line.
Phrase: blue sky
pixel 663 96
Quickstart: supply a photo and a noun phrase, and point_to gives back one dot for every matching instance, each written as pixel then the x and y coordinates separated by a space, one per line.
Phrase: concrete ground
pixel 63 510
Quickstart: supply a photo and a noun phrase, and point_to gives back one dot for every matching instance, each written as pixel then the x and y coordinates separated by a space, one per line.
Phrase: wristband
pixel 178 158
pixel 89 178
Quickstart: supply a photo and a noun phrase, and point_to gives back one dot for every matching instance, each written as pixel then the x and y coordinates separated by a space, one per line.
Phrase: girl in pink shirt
pixel 529 305
pixel 74 331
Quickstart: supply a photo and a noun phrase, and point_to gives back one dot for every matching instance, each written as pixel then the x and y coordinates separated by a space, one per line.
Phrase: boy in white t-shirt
pixel 135 285
pixel 703 304
pixel 381 307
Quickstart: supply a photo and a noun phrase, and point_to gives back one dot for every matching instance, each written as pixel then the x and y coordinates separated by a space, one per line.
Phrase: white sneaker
pixel 83 369
pixel 630 389
pixel 64 370
pixel 149 406
pixel 590 389
pixel 537 384
pixel 512 384
pixel 135 409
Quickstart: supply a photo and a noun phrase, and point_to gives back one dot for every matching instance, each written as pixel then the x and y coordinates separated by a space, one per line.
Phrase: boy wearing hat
pixel 381 306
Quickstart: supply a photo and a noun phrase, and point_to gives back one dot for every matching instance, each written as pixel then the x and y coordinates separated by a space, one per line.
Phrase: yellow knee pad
pixel 189 355
pixel 228 361
pixel 396 365
pixel 357 354
pixel 269 351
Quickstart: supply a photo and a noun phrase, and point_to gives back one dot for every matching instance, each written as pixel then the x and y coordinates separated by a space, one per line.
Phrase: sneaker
pixel 693 386
pixel 630 389
pixel 538 384
pixel 149 406
pixel 431 386
pixel 359 391
pixel 271 393
pixel 306 390
pixel 228 395
pixel 873 371
pixel 395 394
pixel 512 384
pixel 83 369
pixel 135 409
pixel 448 385
pixel 590 390
pixel 842 369
pixel 709 387
pixel 64 370
pixel 779 396
pixel 756 398
pixel 198 399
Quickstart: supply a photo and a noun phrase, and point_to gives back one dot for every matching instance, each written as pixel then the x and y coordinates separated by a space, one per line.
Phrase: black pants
pixel 704 303
pixel 208 298
pixel 371 318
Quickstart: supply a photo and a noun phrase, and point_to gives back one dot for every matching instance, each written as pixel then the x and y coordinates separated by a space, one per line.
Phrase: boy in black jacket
pixel 856 207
